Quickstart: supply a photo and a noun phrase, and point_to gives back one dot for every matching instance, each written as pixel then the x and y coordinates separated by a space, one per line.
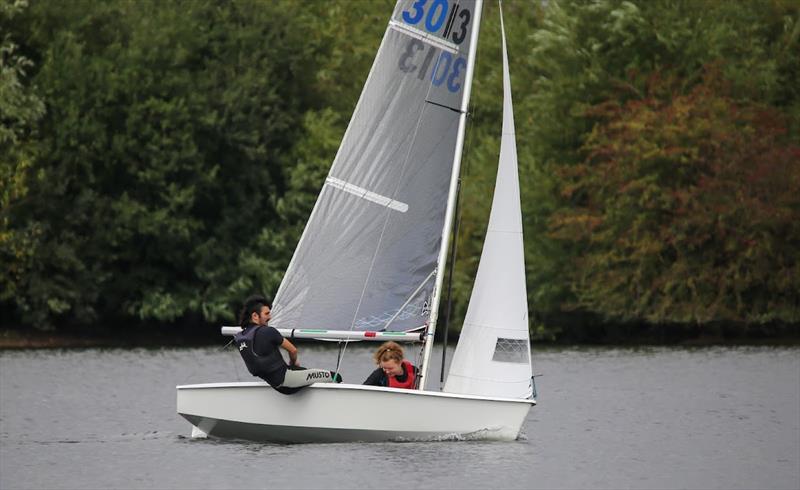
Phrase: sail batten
pixel 368 195
pixel 424 36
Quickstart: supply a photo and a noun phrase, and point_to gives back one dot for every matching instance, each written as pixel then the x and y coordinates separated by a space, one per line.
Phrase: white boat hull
pixel 346 413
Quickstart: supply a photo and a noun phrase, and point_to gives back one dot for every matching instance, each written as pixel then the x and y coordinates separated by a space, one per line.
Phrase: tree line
pixel 158 159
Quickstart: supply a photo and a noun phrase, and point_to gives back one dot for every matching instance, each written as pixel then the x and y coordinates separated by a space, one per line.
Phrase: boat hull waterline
pixel 346 413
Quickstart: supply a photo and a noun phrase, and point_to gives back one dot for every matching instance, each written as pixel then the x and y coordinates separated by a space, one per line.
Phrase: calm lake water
pixel 607 418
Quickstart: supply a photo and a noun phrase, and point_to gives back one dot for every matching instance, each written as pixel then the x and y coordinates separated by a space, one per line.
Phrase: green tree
pixel 588 55
pixel 686 209
pixel 160 159
pixel 20 109
pixel 160 156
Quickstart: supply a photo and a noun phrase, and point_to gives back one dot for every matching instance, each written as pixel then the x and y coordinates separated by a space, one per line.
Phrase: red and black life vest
pixel 410 381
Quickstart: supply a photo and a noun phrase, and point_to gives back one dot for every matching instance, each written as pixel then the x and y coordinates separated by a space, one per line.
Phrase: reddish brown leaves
pixel 687 206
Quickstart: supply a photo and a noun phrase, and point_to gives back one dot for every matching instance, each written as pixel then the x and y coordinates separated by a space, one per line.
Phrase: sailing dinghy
pixel 370 262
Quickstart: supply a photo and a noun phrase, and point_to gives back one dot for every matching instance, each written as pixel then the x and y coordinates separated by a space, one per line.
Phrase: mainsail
pixel 493 353
pixel 367 259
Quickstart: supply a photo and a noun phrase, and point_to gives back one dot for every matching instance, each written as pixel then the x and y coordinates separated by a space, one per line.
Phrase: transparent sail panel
pixel 367 257
pixel 512 350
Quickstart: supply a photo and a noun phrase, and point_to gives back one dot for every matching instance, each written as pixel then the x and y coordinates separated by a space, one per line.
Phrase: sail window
pixel 368 195
pixel 511 350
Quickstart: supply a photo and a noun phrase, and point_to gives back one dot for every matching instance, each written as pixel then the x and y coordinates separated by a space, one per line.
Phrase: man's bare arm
pixel 292 350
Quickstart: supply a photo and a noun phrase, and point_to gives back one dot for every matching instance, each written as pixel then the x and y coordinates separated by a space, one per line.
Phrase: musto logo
pixel 318 375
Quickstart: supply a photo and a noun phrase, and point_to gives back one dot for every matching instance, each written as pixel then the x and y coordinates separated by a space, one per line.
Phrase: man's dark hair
pixel 253 304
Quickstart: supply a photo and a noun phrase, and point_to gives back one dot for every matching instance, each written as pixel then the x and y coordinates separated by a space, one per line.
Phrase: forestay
pixel 493 353
pixel 367 258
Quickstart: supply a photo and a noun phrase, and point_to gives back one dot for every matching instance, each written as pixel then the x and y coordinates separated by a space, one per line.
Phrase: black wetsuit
pixel 259 349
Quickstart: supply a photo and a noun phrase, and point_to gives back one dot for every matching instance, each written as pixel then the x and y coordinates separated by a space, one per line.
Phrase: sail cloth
pixel 368 255
pixel 493 353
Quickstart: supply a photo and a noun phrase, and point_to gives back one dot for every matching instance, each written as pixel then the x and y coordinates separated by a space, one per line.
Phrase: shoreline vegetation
pixel 160 159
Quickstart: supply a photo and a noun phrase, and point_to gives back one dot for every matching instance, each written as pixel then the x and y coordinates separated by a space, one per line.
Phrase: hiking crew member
pixel 258 345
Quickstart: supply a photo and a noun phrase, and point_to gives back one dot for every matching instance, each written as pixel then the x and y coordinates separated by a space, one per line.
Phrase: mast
pixel 448 221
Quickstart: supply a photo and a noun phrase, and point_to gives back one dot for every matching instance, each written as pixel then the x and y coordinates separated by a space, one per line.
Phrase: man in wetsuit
pixel 258 345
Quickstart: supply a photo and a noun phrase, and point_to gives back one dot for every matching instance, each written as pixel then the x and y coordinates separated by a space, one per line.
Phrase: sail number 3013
pixel 437 16
pixel 437 13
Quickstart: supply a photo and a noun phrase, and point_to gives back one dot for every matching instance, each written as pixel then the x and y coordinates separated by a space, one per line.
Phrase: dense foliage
pixel 667 132
pixel 158 160
pixel 685 208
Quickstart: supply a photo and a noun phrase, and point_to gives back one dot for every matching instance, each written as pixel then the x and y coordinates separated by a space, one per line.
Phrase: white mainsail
pixel 493 353
pixel 369 254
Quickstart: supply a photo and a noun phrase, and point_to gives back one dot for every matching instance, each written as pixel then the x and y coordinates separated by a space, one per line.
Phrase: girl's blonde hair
pixel 388 350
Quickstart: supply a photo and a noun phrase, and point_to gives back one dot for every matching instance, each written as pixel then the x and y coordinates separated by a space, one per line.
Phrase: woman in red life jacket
pixel 393 370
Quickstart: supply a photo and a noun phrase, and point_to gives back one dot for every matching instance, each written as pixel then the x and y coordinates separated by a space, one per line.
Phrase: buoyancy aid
pixel 269 366
pixel 410 381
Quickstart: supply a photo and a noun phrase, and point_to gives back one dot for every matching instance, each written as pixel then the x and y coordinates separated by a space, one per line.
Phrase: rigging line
pixel 387 215
pixel 450 20
pixel 453 251
pixel 338 358
pixel 236 369
pixel 458 111
pixel 235 364
pixel 412 296
pixel 450 282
